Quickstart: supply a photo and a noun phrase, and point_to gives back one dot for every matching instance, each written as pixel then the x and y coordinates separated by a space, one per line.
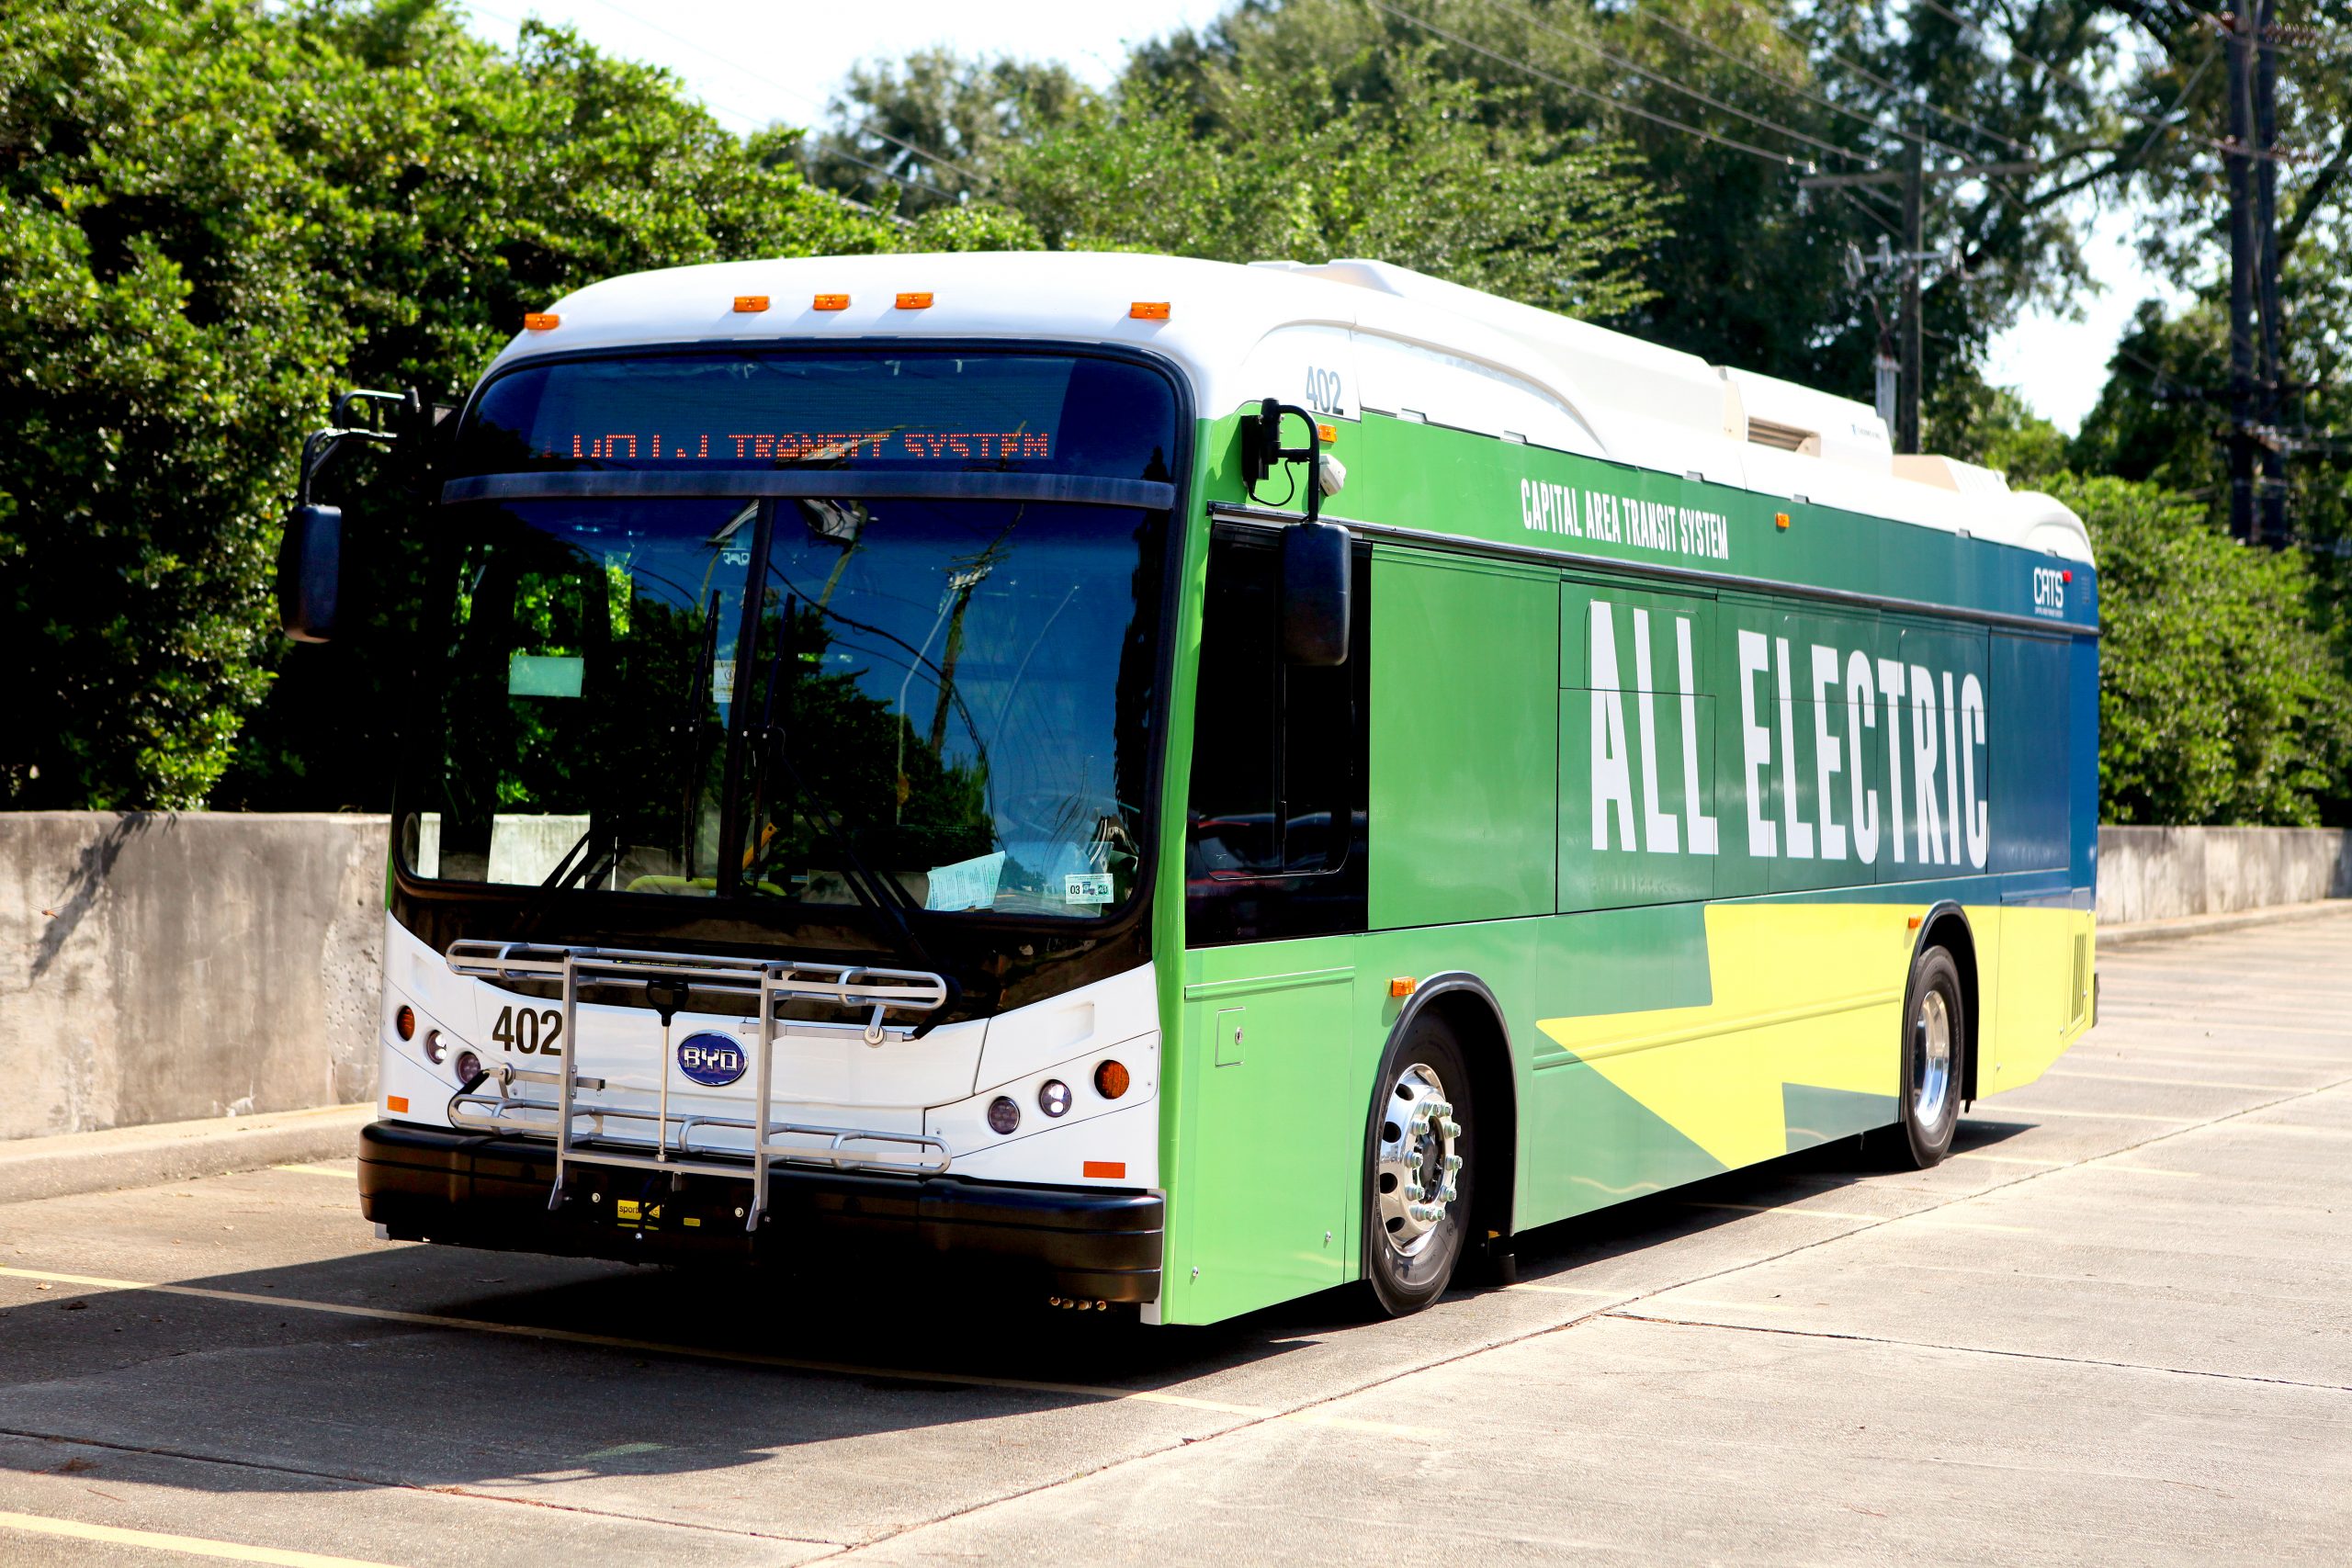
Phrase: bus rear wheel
pixel 1418 1194
pixel 1934 1036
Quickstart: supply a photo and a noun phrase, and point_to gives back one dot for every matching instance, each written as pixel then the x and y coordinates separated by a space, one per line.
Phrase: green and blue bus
pixel 1181 786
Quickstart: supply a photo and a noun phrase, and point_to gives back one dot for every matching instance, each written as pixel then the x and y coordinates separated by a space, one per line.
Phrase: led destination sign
pixel 805 446
pixel 933 409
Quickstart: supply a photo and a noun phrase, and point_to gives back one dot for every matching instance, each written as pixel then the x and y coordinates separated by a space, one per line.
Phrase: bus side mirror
pixel 1316 607
pixel 310 572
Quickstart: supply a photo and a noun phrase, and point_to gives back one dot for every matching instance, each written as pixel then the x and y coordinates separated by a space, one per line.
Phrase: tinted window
pixel 1274 842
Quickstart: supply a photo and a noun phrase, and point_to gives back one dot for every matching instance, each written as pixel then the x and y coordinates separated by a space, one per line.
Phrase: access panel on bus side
pixel 2043 943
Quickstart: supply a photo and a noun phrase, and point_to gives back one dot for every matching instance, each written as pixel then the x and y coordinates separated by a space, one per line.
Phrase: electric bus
pixel 1180 786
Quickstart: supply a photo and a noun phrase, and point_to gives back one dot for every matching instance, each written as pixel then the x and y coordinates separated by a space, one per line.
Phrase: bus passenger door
pixel 1268 1138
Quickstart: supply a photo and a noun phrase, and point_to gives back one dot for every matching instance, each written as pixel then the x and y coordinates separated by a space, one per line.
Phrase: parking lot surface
pixel 2117 1327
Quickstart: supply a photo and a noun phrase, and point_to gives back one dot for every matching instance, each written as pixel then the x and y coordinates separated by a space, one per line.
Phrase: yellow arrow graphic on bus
pixel 1804 994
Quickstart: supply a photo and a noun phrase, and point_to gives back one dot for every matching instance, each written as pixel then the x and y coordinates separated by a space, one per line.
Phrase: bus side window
pixel 1274 823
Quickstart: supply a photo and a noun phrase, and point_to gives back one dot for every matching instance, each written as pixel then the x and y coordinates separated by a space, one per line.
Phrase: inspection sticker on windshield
pixel 1086 888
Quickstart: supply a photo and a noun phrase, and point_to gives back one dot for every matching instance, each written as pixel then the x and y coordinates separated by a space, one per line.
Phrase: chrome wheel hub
pixel 1931 1057
pixel 1417 1164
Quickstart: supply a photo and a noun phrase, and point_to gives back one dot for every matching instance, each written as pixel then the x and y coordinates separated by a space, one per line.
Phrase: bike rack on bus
pixel 666 982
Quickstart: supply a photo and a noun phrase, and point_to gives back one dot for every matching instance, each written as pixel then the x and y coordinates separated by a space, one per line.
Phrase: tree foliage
pixel 2220 700
pixel 212 212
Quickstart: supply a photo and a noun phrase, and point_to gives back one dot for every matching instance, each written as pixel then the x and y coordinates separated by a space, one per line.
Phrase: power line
pixel 2162 123
pixel 1785 160
pixel 1792 85
pixel 1623 64
pixel 1905 94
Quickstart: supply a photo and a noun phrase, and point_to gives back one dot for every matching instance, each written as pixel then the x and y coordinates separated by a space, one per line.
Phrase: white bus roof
pixel 1466 359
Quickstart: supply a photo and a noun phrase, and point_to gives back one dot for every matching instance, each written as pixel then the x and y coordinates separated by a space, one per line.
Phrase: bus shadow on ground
pixel 523 1373
pixel 1554 1251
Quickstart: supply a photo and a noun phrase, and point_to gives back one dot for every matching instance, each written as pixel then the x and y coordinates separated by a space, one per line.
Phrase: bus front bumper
pixel 482 1190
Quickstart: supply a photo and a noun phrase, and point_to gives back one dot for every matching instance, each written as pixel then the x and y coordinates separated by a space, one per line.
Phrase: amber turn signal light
pixel 832 302
pixel 1403 986
pixel 1110 1079
pixel 541 321
pixel 405 1021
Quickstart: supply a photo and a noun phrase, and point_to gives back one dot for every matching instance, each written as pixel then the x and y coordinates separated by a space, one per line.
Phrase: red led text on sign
pixel 930 446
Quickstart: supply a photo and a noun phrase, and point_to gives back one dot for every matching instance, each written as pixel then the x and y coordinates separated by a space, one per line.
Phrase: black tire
pixel 1406 1275
pixel 1935 1049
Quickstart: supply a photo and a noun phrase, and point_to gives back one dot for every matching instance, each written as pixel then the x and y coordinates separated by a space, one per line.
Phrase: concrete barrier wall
pixel 161 968
pixel 2162 873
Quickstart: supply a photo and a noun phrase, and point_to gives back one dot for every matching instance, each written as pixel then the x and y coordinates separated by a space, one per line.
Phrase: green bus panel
pixel 1464 792
pixel 1271 1126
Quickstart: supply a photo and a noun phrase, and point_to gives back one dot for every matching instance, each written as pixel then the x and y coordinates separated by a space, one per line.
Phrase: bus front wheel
pixel 1421 1144
pixel 1934 1036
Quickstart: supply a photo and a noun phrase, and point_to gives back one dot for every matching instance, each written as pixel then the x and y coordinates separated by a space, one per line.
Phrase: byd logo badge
pixel 710 1059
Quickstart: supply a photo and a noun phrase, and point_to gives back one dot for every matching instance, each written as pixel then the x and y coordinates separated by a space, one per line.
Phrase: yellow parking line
pixel 189 1545
pixel 740 1358
pixel 307 1170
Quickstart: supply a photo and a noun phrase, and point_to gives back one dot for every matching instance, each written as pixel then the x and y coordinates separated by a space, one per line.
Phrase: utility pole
pixel 1904 344
pixel 2270 517
pixel 1911 336
pixel 2245 260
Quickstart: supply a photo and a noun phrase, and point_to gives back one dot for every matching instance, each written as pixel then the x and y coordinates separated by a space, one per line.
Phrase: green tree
pixel 212 212
pixel 1436 175
pixel 2219 699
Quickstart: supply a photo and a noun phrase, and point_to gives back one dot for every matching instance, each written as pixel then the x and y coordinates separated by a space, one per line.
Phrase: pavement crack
pixel 1664 1321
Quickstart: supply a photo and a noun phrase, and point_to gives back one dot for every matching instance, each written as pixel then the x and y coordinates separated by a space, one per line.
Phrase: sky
pixel 754 63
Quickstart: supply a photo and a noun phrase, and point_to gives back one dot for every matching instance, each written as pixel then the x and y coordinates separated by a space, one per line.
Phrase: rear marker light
pixel 832 302
pixel 914 302
pixel 1148 311
pixel 434 1046
pixel 1106 1169
pixel 405 1021
pixel 396 1102
pixel 1003 1115
pixel 750 304
pixel 467 1067
pixel 2065 577
pixel 541 321
pixel 1054 1099
pixel 1110 1079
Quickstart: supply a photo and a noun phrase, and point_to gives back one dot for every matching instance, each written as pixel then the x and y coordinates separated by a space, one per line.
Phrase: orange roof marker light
pixel 541 321
pixel 1779 520
pixel 831 302
pixel 750 304
pixel 916 301
pixel 1148 311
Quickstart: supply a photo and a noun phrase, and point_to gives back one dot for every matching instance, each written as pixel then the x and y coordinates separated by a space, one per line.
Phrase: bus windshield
pixel 824 700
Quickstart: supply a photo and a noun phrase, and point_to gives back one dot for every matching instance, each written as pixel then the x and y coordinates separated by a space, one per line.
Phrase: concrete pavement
pixel 2118 1327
